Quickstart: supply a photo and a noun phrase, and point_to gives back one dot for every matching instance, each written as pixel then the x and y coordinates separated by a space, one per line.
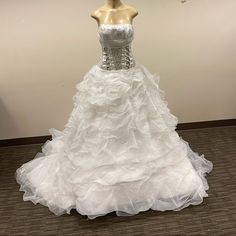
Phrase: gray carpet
pixel 215 216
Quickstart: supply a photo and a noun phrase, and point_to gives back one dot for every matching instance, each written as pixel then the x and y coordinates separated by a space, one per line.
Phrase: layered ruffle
pixel 119 151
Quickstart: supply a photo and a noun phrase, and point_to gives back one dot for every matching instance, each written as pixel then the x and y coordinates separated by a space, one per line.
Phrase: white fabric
pixel 119 151
pixel 117 35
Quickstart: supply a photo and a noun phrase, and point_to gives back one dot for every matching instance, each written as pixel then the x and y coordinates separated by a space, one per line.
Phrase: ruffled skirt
pixel 119 151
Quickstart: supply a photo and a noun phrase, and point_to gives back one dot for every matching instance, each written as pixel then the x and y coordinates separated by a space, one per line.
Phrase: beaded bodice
pixel 115 40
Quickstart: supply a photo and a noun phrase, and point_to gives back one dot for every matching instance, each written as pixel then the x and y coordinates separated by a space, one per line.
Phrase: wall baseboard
pixel 180 126
pixel 206 124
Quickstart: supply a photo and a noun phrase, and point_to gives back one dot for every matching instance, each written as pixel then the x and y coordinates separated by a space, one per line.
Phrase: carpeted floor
pixel 215 216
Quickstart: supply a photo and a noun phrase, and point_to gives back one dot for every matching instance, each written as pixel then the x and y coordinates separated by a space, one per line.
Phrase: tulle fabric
pixel 119 151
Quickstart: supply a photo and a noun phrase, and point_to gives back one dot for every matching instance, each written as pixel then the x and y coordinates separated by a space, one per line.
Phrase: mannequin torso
pixel 114 12
pixel 115 34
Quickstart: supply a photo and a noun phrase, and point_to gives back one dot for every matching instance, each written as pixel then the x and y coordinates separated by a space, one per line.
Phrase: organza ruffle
pixel 119 151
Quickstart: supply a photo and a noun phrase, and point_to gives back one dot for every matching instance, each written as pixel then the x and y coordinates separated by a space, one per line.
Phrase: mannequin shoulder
pixel 96 14
pixel 133 11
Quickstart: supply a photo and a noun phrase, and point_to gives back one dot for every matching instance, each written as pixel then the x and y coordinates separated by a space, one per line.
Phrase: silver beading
pixel 117 58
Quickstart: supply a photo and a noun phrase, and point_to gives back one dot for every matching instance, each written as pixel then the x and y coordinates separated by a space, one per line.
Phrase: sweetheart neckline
pixel 115 24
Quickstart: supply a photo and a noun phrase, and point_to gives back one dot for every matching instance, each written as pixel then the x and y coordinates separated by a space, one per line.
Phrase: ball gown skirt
pixel 118 151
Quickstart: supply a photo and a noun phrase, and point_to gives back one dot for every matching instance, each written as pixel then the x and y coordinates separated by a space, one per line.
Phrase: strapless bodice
pixel 115 40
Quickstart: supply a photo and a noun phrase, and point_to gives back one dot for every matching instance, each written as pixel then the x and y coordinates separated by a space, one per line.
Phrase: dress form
pixel 114 12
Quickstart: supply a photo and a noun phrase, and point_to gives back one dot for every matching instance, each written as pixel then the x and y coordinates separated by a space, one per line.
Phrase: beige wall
pixel 47 46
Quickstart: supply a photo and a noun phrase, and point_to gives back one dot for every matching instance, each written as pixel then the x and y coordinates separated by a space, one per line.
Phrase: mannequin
pixel 114 12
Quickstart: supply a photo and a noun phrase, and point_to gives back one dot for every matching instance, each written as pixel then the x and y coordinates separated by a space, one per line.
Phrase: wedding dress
pixel 119 150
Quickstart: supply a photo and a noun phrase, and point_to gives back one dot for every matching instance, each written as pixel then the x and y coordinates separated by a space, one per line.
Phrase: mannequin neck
pixel 114 3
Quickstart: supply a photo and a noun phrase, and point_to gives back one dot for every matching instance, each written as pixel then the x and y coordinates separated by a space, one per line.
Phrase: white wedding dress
pixel 119 150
